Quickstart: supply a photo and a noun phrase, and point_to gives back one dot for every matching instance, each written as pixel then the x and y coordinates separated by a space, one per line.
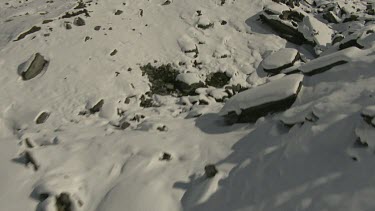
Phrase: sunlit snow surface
pixel 305 158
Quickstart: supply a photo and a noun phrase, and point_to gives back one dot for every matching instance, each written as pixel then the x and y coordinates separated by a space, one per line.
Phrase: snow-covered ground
pixel 86 124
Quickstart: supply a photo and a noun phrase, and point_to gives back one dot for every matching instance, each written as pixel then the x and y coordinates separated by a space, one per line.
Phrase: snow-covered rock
pixel 254 103
pixel 282 59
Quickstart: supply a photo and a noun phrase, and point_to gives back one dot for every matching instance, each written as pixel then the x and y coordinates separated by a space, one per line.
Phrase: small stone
pixel 42 118
pixel 114 52
pixel 97 107
pixel 68 26
pixel 79 21
pixel 118 12
pixel 165 157
pixel 123 125
pixel 97 28
pixel 210 171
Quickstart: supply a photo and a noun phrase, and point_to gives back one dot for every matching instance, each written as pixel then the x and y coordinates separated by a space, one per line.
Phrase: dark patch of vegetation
pixel 163 81
pixel 217 79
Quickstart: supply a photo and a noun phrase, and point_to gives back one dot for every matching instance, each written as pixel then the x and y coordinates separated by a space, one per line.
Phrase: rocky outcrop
pixel 275 96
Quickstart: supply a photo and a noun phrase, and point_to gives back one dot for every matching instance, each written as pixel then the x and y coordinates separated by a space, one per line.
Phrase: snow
pixel 270 92
pixel 189 78
pixel 316 31
pixel 369 111
pixel 280 58
pixel 304 158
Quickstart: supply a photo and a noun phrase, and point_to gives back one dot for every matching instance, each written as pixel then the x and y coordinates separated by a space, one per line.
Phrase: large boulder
pixel 33 67
pixel 280 60
pixel 275 96
pixel 330 61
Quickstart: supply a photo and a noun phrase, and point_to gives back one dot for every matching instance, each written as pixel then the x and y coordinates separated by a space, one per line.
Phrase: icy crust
pixel 273 91
pixel 280 58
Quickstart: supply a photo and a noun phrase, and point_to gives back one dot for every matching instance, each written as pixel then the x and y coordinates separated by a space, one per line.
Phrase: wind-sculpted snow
pixel 124 105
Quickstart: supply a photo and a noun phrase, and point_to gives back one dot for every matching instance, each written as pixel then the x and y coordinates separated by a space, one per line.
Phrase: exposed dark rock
pixel 118 12
pixel 30 31
pixel 68 26
pixel 114 52
pixel 124 125
pixel 166 156
pixel 63 202
pixel 76 13
pixel 97 28
pixel 350 43
pixel 79 21
pixel 47 21
pixel 167 2
pixel 285 31
pixel 204 27
pixel 162 128
pixel 330 17
pixel 338 38
pixel 210 171
pixel 37 65
pixel 97 107
pixel 42 118
pixel 218 79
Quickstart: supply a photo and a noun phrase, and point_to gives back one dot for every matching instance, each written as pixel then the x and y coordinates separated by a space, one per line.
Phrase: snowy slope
pixel 107 142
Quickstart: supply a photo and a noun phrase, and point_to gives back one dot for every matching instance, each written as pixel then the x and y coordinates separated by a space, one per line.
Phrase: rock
pixel 114 52
pixel 210 171
pixel 68 26
pixel 63 202
pixel 97 107
pixel 33 67
pixel 167 2
pixel 166 157
pixel 331 17
pixel 97 28
pixel 118 12
pixel 124 125
pixel 287 29
pixel 30 31
pixel 42 117
pixel 329 61
pixel 275 96
pixel 280 60
pixel 79 21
